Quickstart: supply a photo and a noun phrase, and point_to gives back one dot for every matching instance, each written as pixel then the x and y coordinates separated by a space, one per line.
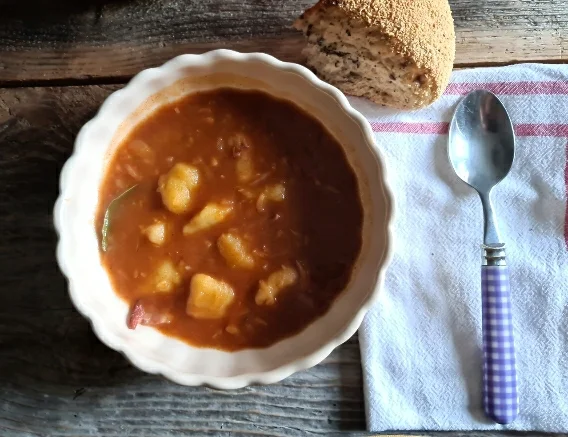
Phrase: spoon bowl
pixel 482 141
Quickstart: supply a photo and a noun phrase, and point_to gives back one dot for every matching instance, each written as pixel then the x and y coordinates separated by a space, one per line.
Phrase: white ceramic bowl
pixel 78 252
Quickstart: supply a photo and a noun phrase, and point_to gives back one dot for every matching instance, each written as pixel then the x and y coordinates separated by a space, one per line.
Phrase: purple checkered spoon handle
pixel 499 369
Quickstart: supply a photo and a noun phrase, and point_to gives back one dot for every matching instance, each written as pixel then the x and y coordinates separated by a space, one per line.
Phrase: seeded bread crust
pixel 398 53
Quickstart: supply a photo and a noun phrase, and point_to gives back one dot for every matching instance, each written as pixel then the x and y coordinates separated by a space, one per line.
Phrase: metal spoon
pixel 481 150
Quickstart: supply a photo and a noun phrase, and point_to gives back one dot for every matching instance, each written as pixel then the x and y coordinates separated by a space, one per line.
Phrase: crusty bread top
pixel 422 30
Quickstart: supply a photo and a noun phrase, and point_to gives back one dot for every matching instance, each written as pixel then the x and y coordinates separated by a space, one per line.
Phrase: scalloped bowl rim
pixel 223 382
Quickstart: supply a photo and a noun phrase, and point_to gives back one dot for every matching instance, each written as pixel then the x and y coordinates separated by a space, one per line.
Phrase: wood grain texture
pixel 101 40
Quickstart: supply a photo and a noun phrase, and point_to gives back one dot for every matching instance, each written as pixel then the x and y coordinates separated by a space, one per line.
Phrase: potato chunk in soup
pixel 274 193
pixel 245 170
pixel 209 298
pixel 211 215
pixel 156 233
pixel 277 281
pixel 235 252
pixel 165 278
pixel 177 186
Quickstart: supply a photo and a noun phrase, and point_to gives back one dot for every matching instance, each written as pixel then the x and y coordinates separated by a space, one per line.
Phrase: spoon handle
pixel 499 369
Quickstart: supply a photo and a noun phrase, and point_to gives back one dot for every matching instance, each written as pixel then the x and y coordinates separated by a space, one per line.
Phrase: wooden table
pixel 58 61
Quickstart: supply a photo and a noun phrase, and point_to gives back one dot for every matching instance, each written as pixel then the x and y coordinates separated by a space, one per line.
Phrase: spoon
pixel 481 150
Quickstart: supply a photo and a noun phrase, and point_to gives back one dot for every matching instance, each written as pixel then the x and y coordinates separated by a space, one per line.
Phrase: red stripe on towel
pixel 541 130
pixel 510 88
pixel 566 214
pixel 441 128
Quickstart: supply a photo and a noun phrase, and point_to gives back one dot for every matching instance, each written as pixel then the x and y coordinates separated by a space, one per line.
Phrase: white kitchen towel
pixel 421 343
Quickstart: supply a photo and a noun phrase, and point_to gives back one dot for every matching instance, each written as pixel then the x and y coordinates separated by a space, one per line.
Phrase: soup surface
pixel 229 219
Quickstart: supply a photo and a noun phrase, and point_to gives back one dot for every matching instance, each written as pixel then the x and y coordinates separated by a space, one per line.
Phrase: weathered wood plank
pixel 112 40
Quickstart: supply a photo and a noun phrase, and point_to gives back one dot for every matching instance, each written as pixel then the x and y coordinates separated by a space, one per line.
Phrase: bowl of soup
pixel 224 219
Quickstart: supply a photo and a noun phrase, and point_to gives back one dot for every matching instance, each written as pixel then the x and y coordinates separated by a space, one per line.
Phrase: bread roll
pixel 397 53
